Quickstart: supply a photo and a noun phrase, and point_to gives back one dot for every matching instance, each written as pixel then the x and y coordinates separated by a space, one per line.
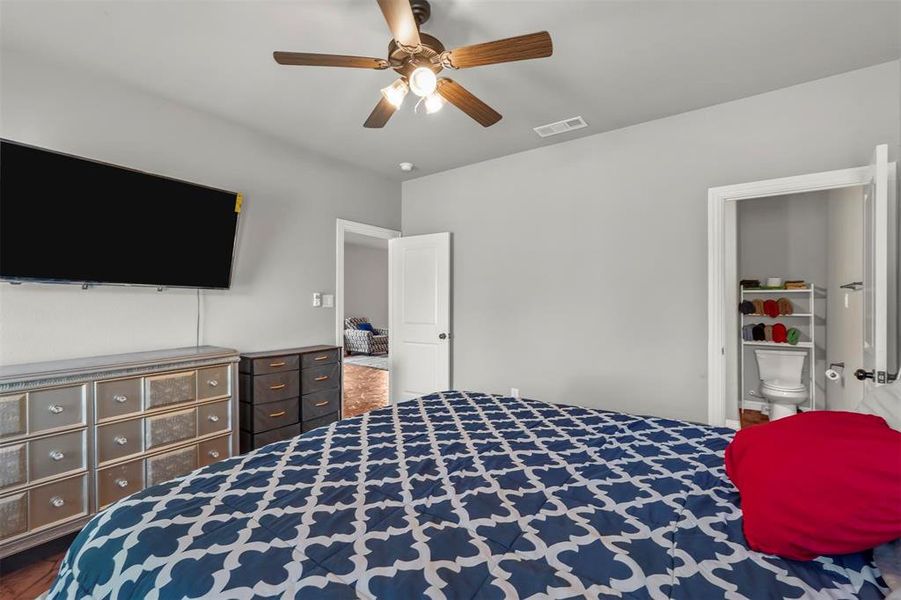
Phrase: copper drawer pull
pixel 278 364
pixel 280 386
pixel 321 357
pixel 318 404
pixel 280 413
pixel 321 378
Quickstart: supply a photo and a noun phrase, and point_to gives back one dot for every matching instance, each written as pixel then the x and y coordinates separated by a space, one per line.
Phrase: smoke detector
pixel 406 167
pixel 559 127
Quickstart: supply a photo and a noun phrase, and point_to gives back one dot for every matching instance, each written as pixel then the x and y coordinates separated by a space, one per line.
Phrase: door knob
pixel 442 336
pixel 863 375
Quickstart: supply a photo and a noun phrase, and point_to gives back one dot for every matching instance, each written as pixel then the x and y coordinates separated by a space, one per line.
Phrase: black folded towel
pixel 746 307
pixel 750 283
pixel 760 332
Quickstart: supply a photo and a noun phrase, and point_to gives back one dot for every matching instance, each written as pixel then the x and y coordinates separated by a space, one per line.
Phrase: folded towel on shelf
pixel 768 333
pixel 779 333
pixel 750 283
pixel 771 308
pixel 758 307
pixel 785 306
pixel 746 307
pixel 747 333
pixel 759 332
pixel 795 285
pixel 792 336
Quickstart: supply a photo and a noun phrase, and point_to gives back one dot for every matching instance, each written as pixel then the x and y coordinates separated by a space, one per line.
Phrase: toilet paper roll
pixel 833 375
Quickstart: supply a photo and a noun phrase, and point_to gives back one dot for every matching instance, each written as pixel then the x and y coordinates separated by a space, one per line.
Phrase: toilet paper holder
pixel 835 370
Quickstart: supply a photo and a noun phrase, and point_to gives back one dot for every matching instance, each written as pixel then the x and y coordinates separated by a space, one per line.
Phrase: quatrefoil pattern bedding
pixel 453 495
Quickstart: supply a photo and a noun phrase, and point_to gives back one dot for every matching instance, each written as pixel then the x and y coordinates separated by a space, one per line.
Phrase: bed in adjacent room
pixel 457 495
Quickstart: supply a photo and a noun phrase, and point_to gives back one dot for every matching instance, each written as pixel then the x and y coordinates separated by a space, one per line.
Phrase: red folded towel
pixel 771 308
pixel 779 333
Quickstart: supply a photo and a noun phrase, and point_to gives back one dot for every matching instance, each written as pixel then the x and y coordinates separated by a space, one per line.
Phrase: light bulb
pixel 433 103
pixel 423 81
pixel 395 92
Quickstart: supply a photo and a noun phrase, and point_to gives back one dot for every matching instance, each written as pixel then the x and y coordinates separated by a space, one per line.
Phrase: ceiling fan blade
pixel 523 47
pixel 460 97
pixel 380 114
pixel 328 60
pixel 401 21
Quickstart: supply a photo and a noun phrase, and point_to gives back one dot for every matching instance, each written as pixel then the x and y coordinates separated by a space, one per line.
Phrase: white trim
pixel 720 247
pixel 343 226
pixel 736 425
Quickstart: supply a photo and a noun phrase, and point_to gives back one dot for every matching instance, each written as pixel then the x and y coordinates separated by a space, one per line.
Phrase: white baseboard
pixel 733 424
pixel 755 405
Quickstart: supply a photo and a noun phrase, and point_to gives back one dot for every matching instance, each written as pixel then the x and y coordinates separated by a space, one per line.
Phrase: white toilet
pixel 780 381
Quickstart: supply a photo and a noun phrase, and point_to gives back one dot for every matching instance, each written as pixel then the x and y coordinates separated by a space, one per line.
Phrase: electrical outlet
pixel 514 392
pixel 317 299
pixel 328 300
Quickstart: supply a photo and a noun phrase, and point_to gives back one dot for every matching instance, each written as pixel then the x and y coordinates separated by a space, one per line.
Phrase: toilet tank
pixel 780 364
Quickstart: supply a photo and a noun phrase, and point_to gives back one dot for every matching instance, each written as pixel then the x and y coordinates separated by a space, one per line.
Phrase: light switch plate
pixel 317 299
pixel 328 300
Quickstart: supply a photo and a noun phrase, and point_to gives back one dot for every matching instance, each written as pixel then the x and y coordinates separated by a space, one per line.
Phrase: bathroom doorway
pixel 800 266
pixel 818 306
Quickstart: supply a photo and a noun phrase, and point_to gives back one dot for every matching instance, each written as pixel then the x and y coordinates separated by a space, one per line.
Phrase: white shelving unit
pixel 806 319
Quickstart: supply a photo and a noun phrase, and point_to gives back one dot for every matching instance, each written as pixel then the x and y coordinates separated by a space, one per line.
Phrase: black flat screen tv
pixel 72 220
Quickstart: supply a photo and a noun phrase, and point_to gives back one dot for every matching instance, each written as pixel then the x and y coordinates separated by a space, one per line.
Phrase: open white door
pixel 419 315
pixel 878 276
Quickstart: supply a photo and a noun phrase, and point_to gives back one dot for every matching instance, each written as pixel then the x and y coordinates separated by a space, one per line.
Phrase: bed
pixel 453 495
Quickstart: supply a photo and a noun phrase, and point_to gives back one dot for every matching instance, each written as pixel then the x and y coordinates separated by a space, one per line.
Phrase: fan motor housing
pixel 431 47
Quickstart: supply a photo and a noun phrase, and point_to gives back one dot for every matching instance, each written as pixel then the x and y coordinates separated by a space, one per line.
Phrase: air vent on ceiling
pixel 560 127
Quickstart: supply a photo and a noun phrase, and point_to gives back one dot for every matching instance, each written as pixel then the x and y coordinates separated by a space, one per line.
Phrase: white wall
pixel 844 324
pixel 366 283
pixel 580 268
pixel 286 236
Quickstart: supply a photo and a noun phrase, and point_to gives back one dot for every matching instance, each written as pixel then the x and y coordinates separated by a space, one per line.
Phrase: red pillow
pixel 822 482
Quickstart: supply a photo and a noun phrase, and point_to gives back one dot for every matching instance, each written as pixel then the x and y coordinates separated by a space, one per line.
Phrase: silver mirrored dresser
pixel 78 435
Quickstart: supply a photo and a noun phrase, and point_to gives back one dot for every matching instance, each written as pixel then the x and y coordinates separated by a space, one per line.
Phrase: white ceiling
pixel 615 63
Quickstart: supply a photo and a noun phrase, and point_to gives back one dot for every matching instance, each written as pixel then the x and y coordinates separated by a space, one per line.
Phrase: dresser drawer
pixel 170 428
pixel 214 450
pixel 57 454
pixel 118 440
pixel 56 407
pixel 13 515
pixel 172 388
pixel 321 378
pixel 274 364
pixel 163 467
pixel 117 398
pixel 277 386
pixel 272 415
pixel 13 465
pixel 258 440
pixel 320 422
pixel 317 359
pixel 57 501
pixel 319 403
pixel 114 483
pixel 214 382
pixel 13 421
pixel 214 417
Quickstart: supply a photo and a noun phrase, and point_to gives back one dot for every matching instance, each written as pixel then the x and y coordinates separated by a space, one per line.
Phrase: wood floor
pixel 365 389
pixel 749 418
pixel 28 574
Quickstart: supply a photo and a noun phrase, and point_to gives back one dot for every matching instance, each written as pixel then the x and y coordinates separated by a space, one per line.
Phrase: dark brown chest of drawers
pixel 288 392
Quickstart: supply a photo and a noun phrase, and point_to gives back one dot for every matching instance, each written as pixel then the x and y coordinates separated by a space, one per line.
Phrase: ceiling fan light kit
pixel 419 57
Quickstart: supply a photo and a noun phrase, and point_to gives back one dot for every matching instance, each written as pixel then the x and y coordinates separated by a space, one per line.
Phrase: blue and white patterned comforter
pixel 454 495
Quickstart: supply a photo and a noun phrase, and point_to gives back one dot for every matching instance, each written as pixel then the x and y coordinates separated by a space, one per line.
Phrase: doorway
pixel 361 314
pixel 739 329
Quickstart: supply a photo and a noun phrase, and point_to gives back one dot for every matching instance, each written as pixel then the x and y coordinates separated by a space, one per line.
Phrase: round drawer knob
pixel 214 453
pixel 213 418
pixel 55 409
pixel 120 398
pixel 122 483
pixel 57 455
pixel 213 382
pixel 120 440
pixel 57 501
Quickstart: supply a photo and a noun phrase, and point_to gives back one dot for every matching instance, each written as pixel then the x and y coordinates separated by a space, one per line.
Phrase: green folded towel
pixel 792 336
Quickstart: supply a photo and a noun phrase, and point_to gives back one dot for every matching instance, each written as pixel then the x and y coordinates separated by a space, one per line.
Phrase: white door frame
pixel 345 226
pixel 722 276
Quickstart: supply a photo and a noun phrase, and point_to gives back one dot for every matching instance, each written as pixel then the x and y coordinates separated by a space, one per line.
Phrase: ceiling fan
pixel 419 57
